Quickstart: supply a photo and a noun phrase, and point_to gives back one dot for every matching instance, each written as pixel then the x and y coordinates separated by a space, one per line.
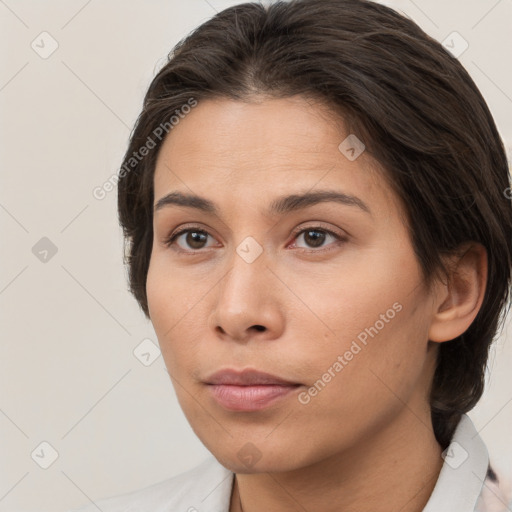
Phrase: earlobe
pixel 460 298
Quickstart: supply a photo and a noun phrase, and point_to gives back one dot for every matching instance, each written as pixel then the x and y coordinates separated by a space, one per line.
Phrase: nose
pixel 247 302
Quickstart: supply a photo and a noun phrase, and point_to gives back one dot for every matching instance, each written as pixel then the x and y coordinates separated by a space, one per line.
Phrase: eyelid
pixel 341 236
pixel 169 240
pixel 320 226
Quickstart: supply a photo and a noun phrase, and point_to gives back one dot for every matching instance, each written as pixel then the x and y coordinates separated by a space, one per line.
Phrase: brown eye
pixel 194 239
pixel 314 237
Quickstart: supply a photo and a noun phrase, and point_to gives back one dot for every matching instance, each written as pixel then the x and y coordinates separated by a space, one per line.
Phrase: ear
pixel 458 300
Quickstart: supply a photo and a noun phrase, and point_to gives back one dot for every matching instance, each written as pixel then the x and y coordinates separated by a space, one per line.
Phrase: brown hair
pixel 408 99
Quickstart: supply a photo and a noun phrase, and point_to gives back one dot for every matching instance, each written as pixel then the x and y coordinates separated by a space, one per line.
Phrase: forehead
pixel 260 149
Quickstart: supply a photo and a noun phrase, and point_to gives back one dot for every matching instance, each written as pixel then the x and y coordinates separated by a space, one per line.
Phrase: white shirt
pixel 460 486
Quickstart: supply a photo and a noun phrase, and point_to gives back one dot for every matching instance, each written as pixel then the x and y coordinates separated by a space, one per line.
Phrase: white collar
pixel 463 472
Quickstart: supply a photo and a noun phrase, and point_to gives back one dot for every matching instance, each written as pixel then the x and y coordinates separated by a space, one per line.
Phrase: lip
pixel 246 377
pixel 248 390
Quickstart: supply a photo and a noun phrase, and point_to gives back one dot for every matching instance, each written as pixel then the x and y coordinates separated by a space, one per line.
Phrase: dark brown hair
pixel 408 99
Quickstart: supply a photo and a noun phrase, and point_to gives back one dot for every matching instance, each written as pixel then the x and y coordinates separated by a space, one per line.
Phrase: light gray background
pixel 68 373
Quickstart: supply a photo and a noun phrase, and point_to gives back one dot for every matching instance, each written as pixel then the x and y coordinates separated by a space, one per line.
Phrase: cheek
pixel 178 306
pixel 374 317
pixel 156 284
pixel 364 384
pixel 170 297
pixel 353 296
pixel 169 306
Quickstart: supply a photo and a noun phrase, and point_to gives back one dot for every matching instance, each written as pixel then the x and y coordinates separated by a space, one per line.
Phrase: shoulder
pixel 207 485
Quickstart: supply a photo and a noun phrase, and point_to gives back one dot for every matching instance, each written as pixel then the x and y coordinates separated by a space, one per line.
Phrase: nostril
pixel 259 327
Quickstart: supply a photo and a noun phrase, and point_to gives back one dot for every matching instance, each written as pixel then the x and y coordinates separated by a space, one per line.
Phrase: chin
pixel 249 459
pixel 234 464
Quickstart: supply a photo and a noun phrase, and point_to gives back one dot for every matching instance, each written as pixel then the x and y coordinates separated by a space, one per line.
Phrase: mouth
pixel 248 390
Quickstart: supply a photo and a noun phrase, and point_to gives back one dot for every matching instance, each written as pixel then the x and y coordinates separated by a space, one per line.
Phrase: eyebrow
pixel 280 205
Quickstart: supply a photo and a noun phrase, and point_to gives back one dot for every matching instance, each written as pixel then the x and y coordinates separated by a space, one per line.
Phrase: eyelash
pixel 339 238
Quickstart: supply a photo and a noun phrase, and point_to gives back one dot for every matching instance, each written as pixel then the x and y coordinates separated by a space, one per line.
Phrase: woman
pixel 314 204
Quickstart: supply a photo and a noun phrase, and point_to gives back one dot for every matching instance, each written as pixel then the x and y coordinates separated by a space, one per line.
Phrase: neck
pixel 403 458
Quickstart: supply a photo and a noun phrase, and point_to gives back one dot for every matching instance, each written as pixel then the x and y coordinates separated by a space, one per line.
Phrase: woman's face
pixel 325 294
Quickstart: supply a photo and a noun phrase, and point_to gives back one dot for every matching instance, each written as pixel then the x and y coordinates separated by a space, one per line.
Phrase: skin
pixel 368 431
